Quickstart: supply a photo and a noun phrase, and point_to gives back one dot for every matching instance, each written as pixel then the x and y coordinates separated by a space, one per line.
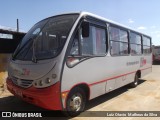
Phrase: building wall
pixel 7 47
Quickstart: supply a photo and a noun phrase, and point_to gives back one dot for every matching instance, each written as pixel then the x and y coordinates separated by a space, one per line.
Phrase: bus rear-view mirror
pixel 85 29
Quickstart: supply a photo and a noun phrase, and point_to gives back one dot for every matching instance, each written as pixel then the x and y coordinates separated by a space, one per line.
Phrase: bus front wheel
pixel 75 102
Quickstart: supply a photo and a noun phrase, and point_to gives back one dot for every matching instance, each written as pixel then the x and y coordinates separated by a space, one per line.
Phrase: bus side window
pixel 135 44
pixel 75 46
pixel 95 44
pixel 146 45
pixel 118 41
pixel 74 52
pixel 92 45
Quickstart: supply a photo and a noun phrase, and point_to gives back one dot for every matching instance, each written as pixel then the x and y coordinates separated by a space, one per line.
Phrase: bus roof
pixel 83 13
pixel 110 21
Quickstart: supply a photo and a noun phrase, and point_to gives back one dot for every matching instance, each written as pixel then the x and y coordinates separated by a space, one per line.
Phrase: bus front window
pixel 46 39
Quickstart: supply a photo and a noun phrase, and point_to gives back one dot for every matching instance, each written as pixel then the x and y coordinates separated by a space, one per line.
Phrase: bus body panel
pixel 48 98
pixel 30 70
pixel 104 74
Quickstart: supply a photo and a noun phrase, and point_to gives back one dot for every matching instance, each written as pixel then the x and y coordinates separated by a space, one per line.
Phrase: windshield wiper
pixel 23 48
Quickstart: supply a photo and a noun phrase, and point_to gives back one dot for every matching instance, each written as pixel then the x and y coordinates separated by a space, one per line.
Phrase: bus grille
pixel 21 82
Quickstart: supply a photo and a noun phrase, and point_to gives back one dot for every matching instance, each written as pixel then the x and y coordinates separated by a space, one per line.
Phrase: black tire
pixel 135 82
pixel 77 96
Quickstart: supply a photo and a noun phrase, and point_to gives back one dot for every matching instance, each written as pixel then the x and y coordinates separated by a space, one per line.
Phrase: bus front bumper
pixel 48 98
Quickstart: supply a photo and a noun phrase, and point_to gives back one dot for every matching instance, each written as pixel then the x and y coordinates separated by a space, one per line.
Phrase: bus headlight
pixel 45 82
pixel 42 83
pixel 48 80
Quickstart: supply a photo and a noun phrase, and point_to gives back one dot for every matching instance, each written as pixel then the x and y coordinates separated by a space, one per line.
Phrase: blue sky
pixel 141 15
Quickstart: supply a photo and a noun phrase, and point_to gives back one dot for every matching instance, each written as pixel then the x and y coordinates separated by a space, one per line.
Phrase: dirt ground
pixel 145 97
pixel 3 68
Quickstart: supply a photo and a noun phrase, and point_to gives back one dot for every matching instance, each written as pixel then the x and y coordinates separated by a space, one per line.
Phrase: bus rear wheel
pixel 75 102
pixel 135 82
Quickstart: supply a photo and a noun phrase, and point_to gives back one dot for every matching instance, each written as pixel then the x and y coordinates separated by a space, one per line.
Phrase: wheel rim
pixel 136 80
pixel 75 102
pixel 136 83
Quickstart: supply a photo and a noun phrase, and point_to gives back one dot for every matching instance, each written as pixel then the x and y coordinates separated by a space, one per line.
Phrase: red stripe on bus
pixel 110 78
pixel 98 82
pixel 146 68
pixel 115 77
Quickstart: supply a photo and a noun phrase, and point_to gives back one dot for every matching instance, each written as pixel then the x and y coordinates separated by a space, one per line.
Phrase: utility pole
pixel 17 25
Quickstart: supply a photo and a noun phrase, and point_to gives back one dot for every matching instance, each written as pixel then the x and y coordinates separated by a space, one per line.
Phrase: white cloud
pixel 7 28
pixel 130 21
pixel 141 28
pixel 10 29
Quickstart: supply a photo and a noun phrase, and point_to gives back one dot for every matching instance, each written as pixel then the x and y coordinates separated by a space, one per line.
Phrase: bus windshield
pixel 45 39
